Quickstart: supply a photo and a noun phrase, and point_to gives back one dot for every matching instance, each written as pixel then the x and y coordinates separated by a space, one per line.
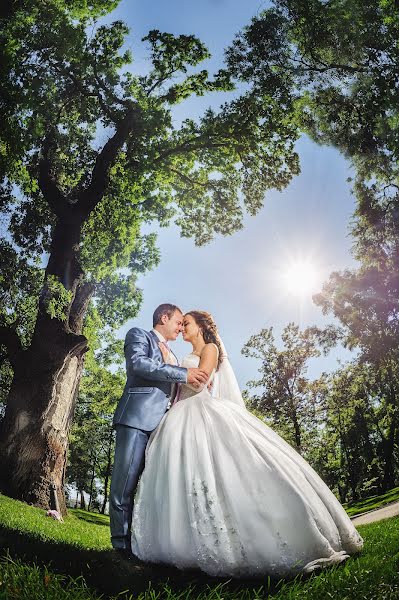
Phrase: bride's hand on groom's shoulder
pixel 197 377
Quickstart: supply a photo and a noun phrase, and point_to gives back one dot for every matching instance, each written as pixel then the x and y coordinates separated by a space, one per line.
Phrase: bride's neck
pixel 197 347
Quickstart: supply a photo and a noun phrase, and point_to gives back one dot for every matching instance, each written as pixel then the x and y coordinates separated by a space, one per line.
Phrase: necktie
pixel 176 386
pixel 171 358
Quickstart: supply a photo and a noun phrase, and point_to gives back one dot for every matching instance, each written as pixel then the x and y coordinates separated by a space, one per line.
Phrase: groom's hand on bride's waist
pixel 197 377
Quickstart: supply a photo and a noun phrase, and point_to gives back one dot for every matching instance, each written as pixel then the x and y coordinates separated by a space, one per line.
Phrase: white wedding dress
pixel 224 493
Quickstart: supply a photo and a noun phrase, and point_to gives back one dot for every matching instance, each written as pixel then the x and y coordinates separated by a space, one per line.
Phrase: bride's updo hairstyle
pixel 207 325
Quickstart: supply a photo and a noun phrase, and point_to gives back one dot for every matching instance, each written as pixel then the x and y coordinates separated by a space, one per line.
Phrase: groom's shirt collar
pixel 159 335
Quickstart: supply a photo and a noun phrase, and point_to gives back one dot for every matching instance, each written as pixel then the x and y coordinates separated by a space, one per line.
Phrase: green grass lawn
pixel 372 503
pixel 43 559
pixel 20 581
pixel 76 530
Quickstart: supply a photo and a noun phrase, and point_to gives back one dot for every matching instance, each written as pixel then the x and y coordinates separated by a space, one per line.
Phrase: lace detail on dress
pixel 214 531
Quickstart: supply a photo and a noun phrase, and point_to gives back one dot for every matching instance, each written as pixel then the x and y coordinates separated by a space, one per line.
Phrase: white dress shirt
pixel 171 359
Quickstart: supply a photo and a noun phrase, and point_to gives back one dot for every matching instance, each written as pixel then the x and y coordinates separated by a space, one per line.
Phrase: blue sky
pixel 239 278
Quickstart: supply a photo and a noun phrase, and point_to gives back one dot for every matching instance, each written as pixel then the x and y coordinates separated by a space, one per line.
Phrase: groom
pixel 151 385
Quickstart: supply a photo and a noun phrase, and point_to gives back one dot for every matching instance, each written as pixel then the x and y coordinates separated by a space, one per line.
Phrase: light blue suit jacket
pixel 149 382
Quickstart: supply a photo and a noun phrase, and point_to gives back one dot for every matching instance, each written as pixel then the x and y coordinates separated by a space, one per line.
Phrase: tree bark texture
pixel 35 432
pixel 40 406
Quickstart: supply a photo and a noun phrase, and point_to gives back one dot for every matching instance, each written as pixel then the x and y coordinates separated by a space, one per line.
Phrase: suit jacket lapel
pixel 156 341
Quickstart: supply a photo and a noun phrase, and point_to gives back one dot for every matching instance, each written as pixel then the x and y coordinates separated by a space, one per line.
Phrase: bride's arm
pixel 209 358
pixel 208 363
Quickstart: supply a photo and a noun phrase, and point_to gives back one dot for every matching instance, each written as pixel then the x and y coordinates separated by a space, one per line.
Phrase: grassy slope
pixel 79 547
pixel 75 531
pixel 372 503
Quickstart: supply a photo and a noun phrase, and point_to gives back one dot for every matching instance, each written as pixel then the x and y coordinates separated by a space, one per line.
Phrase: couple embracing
pixel 219 490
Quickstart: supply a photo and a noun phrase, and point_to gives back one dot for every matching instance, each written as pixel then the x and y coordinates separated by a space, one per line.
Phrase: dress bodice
pixel 186 390
pixel 190 361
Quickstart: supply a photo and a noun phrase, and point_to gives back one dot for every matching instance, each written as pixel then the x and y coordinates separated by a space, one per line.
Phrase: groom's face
pixel 173 325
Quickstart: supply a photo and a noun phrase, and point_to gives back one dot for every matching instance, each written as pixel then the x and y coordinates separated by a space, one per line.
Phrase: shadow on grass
pixel 90 517
pixel 110 575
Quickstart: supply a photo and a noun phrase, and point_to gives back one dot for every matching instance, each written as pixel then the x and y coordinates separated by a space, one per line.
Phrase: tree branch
pixel 91 196
pixel 189 147
pixel 101 85
pixel 328 67
pixel 208 185
pixel 85 91
pixel 47 182
pixel 160 81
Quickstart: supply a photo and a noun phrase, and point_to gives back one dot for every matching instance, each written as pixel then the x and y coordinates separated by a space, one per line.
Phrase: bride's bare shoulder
pixel 210 349
pixel 209 357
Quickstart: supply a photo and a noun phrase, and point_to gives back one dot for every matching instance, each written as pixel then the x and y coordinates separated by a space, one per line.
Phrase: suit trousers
pixel 128 466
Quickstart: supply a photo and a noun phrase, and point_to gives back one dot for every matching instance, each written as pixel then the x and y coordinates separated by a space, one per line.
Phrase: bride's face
pixel 190 328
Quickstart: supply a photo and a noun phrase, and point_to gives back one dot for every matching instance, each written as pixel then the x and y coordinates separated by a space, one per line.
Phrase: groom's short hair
pixel 163 309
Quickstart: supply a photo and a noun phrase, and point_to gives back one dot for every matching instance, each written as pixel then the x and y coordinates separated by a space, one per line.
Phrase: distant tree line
pixel 344 423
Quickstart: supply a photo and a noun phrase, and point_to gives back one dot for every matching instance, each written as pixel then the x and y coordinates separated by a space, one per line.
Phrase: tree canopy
pixel 65 90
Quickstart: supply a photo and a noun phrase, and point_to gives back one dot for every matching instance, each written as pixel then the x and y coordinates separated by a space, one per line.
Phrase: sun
pixel 302 278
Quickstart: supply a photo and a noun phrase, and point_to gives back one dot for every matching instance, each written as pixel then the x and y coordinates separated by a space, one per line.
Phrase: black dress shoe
pixel 125 553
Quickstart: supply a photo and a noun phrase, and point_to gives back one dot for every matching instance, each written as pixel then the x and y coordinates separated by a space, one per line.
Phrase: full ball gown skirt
pixel 222 492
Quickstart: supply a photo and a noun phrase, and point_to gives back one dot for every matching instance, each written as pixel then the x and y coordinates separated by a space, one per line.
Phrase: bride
pixel 223 492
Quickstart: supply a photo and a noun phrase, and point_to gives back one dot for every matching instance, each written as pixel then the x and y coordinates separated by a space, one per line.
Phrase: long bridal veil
pixel 225 385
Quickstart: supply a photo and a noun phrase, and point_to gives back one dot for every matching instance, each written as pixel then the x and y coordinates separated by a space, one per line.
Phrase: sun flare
pixel 302 278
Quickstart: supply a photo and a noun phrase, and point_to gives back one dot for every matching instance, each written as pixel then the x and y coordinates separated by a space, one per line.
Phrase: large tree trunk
pixel 36 427
pixel 40 406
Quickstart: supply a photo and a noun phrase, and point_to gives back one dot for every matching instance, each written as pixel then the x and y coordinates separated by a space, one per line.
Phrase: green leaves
pixel 171 54
pixel 76 88
pixel 57 299
pixel 344 424
pixel 334 65
pixel 92 437
pixel 20 284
